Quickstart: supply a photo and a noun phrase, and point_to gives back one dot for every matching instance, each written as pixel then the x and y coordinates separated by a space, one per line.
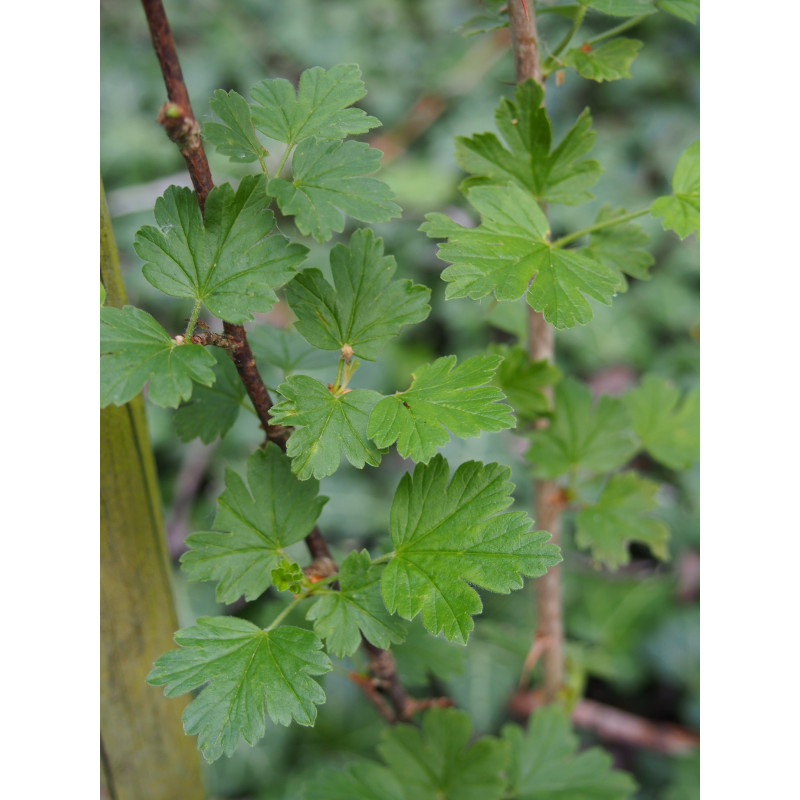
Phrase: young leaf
pixel 545 763
pixel 618 518
pixel 594 439
pixel 609 62
pixel 522 381
pixel 228 261
pixel 671 434
pixel 367 307
pixel 319 109
pixel 363 780
pixel 324 426
pixel 621 8
pixel 253 527
pixel 328 179
pixel 562 176
pixel 135 349
pixel 447 537
pixel 442 396
pixel 234 136
pixel 212 411
pixel 685 9
pixel 246 671
pixel 511 246
pixel 340 617
pixel 619 247
pixel 681 209
pixel 438 763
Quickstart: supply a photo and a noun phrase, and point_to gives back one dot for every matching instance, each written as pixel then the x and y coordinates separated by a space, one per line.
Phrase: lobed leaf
pixel 365 309
pixel 135 349
pixel 212 410
pixel 681 209
pixel 579 436
pixel 328 178
pixel 669 432
pixel 227 260
pixel 546 764
pixel 522 381
pixel 560 176
pixel 442 397
pixel 609 62
pixel 512 246
pixel 341 617
pixel 234 136
pixel 246 672
pixel 325 425
pixel 253 527
pixel 363 780
pixel 617 518
pixel 449 538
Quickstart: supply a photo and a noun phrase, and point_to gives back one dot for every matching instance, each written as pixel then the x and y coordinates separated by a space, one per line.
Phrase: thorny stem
pixel 598 226
pixel 182 127
pixel 550 629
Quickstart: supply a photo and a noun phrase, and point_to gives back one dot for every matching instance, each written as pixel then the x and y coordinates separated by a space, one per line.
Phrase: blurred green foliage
pixel 634 633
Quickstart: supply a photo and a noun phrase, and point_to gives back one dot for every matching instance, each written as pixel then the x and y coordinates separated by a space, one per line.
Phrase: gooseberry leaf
pixel 234 136
pixel 560 176
pixel 618 517
pixel 620 247
pixel 328 178
pixel 341 617
pixel 668 428
pixel 594 439
pixel 135 349
pixel 246 672
pixel 522 381
pixel 439 763
pixel 621 8
pixel 228 261
pixel 365 309
pixel 253 526
pixel 681 209
pixel 325 425
pixel 491 17
pixel 286 349
pixel 364 780
pixel 609 62
pixel 546 764
pixel 212 411
pixel 442 397
pixel 449 538
pixel 510 247
pixel 320 108
pixel 685 9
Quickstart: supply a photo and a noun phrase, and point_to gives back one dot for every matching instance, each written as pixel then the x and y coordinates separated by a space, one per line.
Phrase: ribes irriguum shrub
pixel 451 531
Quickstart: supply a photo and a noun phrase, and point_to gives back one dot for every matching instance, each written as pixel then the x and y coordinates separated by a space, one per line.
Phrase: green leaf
pixel 618 518
pixel 438 763
pixel 324 426
pixel 449 538
pixel 286 349
pixel 328 179
pixel 621 8
pixel 363 780
pixel 511 246
pixel 229 262
pixel 234 136
pixel 288 577
pixel 320 107
pixel 609 62
pixel 212 411
pixel 581 437
pixel 522 381
pixel 669 432
pixel 620 247
pixel 252 527
pixel 367 307
pixel 340 617
pixel 562 176
pixel 681 209
pixel 442 397
pixel 491 17
pixel 685 9
pixel 135 349
pixel 246 672
pixel 421 656
pixel 546 764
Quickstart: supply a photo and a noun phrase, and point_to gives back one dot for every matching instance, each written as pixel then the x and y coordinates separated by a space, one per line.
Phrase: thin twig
pixel 525 41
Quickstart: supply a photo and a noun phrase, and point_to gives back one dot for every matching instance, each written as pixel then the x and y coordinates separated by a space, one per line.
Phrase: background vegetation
pixel 634 634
